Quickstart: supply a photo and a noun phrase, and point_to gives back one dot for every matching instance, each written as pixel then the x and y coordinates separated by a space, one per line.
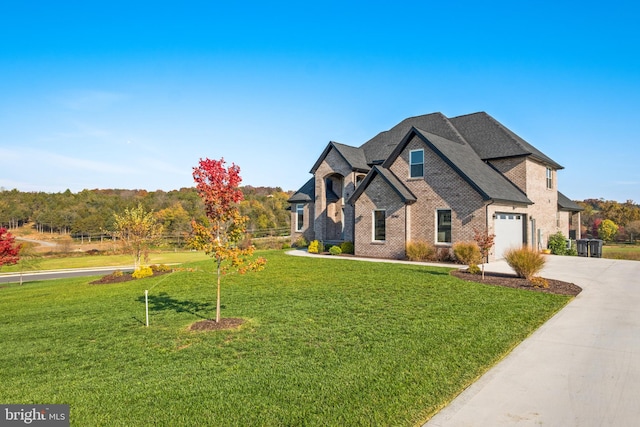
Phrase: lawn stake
pixel 146 305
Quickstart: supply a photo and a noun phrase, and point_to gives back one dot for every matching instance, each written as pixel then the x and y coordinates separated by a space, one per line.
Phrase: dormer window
pixel 416 163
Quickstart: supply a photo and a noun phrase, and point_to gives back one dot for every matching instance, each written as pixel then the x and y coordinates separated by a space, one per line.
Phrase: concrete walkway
pixel 581 368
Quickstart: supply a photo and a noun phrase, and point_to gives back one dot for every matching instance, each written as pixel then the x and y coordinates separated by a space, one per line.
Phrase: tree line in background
pixel 89 214
pixel 610 220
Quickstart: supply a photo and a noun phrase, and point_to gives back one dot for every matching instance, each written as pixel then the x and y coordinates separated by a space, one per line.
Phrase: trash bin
pixel 583 247
pixel 595 248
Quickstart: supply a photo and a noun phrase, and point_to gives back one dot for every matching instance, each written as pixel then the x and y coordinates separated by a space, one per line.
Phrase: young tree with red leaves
pixel 9 251
pixel 225 227
pixel 485 242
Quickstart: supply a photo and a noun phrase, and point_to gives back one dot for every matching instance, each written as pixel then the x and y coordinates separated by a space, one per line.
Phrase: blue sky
pixel 131 94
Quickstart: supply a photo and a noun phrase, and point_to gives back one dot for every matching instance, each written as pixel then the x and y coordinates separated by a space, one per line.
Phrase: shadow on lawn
pixel 163 301
pixel 431 272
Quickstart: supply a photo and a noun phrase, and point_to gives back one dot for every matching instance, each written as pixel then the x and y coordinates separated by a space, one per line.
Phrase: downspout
pixel 486 219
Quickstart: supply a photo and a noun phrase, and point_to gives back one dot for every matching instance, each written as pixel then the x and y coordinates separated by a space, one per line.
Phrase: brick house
pixel 435 179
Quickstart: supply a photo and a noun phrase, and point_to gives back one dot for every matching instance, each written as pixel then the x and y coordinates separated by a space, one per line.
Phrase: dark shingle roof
pixel 566 204
pixel 464 142
pixel 489 183
pixel 492 140
pixel 306 193
pixel 378 148
pixel 401 190
pixel 354 156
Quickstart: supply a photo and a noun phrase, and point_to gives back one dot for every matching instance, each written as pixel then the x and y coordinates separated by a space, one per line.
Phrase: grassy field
pixel 621 251
pixel 325 343
pixel 85 261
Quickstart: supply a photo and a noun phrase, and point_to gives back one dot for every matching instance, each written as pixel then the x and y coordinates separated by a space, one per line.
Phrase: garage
pixel 509 231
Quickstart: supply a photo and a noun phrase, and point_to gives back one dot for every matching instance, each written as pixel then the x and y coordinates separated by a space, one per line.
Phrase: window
pixel 416 163
pixel 444 226
pixel 299 217
pixel 379 225
pixel 549 178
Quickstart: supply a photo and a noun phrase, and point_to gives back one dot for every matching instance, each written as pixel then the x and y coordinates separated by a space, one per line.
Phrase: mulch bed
pixel 212 325
pixel 124 277
pixel 512 281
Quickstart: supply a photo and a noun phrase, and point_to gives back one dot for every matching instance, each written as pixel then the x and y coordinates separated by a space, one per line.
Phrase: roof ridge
pixel 456 131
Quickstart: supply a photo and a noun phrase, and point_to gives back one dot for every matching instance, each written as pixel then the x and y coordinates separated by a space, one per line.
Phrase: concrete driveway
pixel 581 368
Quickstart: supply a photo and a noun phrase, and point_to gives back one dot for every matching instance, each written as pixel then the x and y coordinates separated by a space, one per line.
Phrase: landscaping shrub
pixel 347 248
pixel 335 250
pixel 162 268
pixel 558 244
pixel 539 282
pixel 467 253
pixel 314 247
pixel 525 262
pixel 142 272
pixel 420 251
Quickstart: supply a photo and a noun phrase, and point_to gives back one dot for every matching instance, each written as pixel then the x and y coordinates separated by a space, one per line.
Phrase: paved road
pixel 59 274
pixel 581 368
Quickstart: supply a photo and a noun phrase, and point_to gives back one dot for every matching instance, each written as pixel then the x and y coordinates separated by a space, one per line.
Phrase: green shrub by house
pixel 347 247
pixel 335 250
pixel 558 244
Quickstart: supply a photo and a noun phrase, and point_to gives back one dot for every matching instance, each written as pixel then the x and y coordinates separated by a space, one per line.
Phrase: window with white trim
pixel 379 225
pixel 549 178
pixel 443 224
pixel 416 163
pixel 299 217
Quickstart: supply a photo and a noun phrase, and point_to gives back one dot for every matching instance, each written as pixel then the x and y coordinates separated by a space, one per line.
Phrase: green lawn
pixel 325 343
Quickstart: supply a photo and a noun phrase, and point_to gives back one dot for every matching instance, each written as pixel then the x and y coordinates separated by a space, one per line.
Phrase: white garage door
pixel 508 230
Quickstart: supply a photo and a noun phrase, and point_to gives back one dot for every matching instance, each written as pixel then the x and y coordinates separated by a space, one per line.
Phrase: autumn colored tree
pixel 485 242
pixel 138 230
pixel 607 230
pixel 633 228
pixel 219 236
pixel 9 250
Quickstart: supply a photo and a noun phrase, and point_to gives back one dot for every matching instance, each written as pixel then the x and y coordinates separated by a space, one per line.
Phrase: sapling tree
pixel 485 242
pixel 224 228
pixel 9 250
pixel 138 230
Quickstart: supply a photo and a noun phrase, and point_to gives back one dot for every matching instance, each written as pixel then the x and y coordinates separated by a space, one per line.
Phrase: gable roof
pixel 566 204
pixel 306 193
pixel 378 148
pixel 461 157
pixel 352 155
pixel 401 190
pixel 492 140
